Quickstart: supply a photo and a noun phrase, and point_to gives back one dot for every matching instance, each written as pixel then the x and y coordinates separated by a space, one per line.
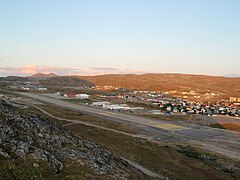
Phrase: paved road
pixel 222 141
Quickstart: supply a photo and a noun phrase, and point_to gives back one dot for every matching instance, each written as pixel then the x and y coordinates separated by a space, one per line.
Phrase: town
pixel 145 102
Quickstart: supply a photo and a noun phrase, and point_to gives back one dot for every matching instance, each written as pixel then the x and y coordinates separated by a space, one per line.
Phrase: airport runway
pixel 185 129
pixel 221 141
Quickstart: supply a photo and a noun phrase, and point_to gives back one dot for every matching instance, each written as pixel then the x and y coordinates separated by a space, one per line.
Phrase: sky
pixel 88 37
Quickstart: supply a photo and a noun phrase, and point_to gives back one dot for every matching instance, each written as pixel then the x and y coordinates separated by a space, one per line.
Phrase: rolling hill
pixel 167 82
pixel 42 75
pixel 66 81
pixel 49 80
pixel 224 86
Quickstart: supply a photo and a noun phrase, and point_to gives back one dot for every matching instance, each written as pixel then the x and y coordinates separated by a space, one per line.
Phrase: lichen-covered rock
pixel 3 153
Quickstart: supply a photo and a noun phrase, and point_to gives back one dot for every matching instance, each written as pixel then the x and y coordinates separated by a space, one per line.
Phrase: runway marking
pixel 169 126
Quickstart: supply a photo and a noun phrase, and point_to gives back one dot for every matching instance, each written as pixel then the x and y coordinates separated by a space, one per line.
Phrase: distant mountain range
pixel 232 75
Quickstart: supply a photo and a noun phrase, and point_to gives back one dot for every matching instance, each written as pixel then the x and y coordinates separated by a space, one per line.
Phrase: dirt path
pixel 86 124
pixel 140 168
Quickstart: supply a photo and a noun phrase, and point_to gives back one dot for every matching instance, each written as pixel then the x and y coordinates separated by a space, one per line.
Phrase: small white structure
pixel 25 88
pixel 65 95
pixel 197 97
pixel 156 112
pixel 57 94
pixel 136 108
pixel 82 96
pixel 169 108
pixel 42 89
pixel 114 107
pixel 100 103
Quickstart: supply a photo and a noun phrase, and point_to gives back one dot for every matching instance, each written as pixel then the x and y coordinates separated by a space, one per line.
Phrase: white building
pixel 57 94
pixel 82 96
pixel 25 88
pixel 115 107
pixel 102 103
pixel 197 97
pixel 42 89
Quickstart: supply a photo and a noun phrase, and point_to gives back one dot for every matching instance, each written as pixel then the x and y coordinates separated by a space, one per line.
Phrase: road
pixel 221 141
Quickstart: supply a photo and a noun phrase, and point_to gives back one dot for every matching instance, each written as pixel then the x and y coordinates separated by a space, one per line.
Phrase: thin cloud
pixel 60 70
pixel 104 69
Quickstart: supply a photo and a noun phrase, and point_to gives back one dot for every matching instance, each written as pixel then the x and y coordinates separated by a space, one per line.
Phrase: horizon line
pixel 136 74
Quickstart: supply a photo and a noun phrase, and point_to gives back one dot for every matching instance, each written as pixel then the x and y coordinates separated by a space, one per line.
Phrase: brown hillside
pixel 66 81
pixel 165 82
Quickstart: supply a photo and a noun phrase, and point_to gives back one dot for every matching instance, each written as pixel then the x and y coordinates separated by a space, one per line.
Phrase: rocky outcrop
pixel 33 136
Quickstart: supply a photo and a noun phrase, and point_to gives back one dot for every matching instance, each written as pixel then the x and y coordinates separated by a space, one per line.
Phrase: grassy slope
pixel 23 169
pixel 161 159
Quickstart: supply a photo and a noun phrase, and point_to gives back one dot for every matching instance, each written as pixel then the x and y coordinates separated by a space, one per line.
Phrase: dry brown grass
pixel 232 127
pixel 165 82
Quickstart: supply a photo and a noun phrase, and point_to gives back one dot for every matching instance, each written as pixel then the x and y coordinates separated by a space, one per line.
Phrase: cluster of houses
pixel 187 95
pixel 198 108
pixel 193 95
pixel 159 102
pixel 164 103
pixel 136 95
pixel 171 105
pixel 28 86
pixel 234 99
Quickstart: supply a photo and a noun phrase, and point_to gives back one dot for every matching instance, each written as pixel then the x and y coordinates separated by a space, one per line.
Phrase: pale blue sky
pixel 187 36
